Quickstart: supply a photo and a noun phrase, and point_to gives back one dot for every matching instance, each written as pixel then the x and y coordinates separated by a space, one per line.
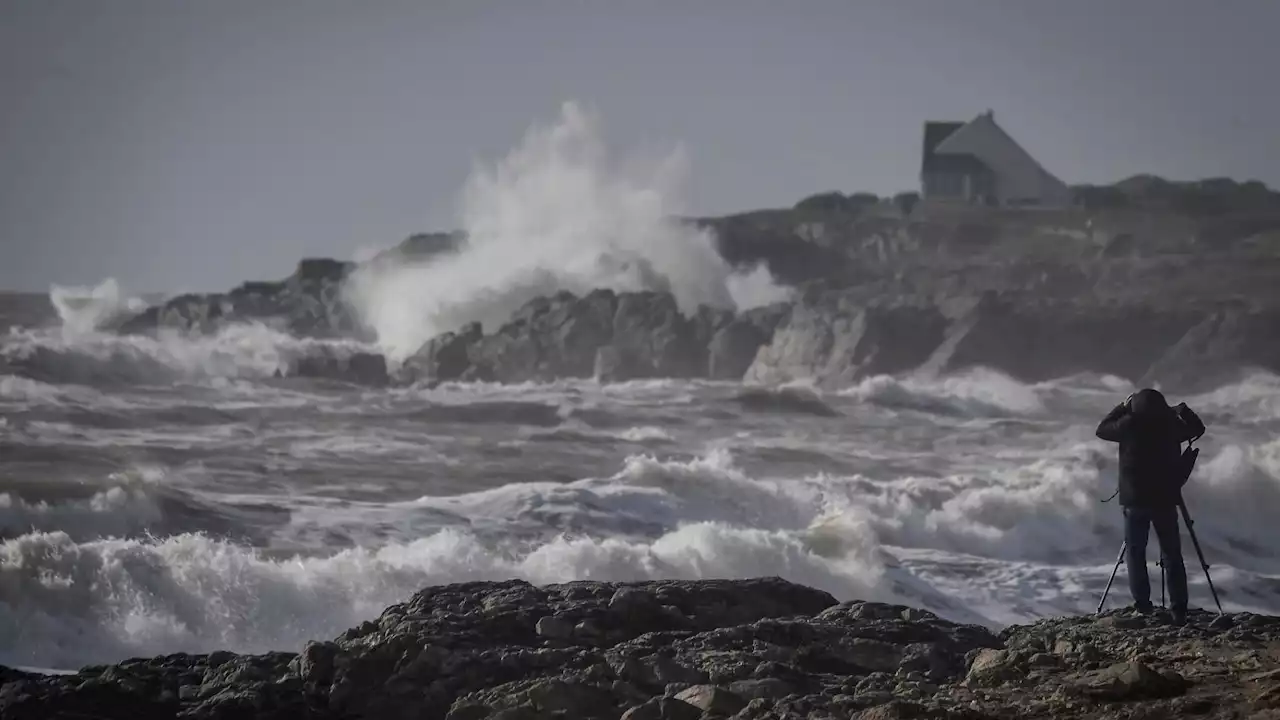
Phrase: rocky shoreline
pixel 748 649
pixel 1148 294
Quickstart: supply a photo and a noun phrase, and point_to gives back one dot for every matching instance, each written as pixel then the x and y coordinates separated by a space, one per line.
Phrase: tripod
pixel 1186 516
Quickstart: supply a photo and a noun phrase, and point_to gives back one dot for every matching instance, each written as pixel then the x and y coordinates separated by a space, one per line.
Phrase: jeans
pixel 1138 522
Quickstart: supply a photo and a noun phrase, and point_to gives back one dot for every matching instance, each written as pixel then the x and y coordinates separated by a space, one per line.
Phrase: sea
pixel 171 494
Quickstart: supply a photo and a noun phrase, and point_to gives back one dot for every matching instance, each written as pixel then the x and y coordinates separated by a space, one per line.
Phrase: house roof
pixel 934 133
pixel 1028 170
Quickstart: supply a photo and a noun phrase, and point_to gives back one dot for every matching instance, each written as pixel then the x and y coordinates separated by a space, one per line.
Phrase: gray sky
pixel 195 144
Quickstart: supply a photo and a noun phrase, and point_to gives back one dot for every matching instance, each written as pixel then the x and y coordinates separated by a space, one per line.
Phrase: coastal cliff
pixel 1155 282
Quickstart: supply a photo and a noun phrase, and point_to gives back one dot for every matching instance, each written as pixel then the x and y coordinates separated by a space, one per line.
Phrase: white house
pixel 978 162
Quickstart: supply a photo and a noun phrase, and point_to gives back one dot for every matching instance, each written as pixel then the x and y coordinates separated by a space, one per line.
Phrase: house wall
pixel 939 184
pixel 958 186
pixel 1019 178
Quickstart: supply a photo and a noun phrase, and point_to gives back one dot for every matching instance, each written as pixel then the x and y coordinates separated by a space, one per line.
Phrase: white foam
pixel 1255 397
pixel 68 604
pixel 554 215
pixel 644 434
pixel 976 392
pixel 86 309
pixel 978 524
pixel 20 391
pixel 128 506
pixel 244 350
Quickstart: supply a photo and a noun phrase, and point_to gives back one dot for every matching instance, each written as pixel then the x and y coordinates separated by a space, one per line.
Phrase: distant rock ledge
pixel 747 649
pixel 1137 289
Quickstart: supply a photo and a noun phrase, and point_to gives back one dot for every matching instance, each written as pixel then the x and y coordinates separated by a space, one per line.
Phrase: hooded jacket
pixel 1150 434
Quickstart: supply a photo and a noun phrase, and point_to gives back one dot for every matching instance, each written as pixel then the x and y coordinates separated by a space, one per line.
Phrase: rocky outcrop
pixel 360 368
pixel 606 335
pixel 836 339
pixel 1219 346
pixel 1142 288
pixel 1034 339
pixel 307 304
pixel 747 649
pixel 836 336
pixel 734 344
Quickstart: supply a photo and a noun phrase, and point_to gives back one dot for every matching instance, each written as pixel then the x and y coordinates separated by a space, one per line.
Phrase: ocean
pixel 171 495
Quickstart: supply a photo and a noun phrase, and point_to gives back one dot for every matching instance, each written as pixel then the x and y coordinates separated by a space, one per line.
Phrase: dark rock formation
pixel 1034 340
pixel 836 340
pixel 1219 346
pixel 1158 282
pixel 837 336
pixel 748 649
pixel 420 247
pixel 307 304
pixel 606 335
pixel 361 368
pixel 734 345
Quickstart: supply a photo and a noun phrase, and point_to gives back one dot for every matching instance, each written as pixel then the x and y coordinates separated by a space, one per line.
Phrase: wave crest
pixel 86 309
pixel 242 350
pixel 555 215
pixel 973 393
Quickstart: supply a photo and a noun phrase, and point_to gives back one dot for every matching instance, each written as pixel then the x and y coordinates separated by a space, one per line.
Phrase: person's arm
pixel 1116 424
pixel 1189 424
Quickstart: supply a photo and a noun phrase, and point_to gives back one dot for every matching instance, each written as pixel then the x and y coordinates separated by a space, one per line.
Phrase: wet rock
pixel 734 345
pixel 836 339
pixel 308 303
pixel 763 648
pixel 993 667
pixel 663 708
pixel 712 699
pixel 761 688
pixel 547 697
pixel 1132 681
pixel 361 368
pixel 609 336
pixel 554 628
pixel 444 358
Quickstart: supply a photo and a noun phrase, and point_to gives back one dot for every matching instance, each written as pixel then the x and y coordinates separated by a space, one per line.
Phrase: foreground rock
pixel 750 649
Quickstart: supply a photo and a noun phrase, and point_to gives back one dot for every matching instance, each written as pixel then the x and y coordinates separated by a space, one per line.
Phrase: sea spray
pixel 84 310
pixel 69 604
pixel 245 350
pixel 555 215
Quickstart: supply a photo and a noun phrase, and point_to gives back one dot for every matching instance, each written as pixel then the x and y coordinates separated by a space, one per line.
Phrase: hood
pixel 1148 402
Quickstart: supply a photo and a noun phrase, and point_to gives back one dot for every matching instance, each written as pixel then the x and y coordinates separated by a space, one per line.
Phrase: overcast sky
pixel 192 144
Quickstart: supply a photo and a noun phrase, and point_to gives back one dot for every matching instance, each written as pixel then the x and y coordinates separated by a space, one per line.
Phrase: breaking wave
pixel 1032 535
pixel 86 309
pixel 973 393
pixel 555 215
pixel 242 350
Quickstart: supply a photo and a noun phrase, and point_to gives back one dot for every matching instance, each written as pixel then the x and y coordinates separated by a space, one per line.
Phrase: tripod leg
pixel 1186 516
pixel 1115 569
pixel 1162 582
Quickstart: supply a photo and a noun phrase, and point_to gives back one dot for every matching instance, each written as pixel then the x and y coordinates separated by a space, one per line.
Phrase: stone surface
pixel 308 303
pixel 679 650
